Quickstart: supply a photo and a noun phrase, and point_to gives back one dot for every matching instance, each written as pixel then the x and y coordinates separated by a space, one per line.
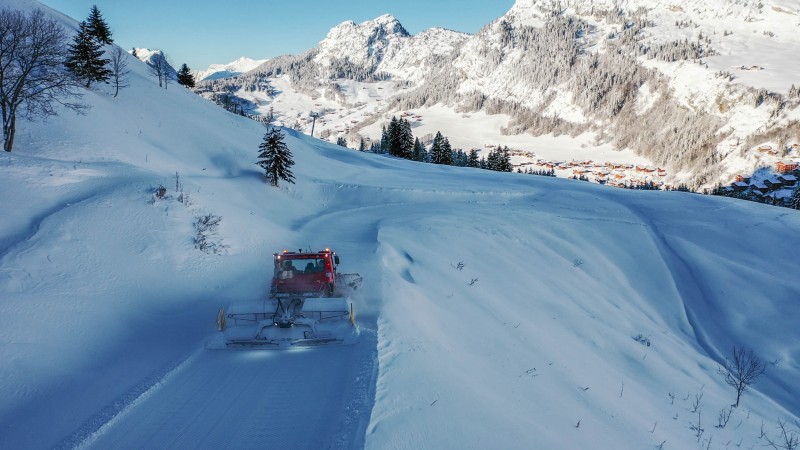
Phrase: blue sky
pixel 199 33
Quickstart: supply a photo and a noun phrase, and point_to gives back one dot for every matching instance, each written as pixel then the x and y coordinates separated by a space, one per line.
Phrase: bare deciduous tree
pixel 33 79
pixel 159 67
pixel 742 370
pixel 119 69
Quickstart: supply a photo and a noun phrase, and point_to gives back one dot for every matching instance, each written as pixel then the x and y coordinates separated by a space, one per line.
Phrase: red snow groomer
pixel 308 305
pixel 302 274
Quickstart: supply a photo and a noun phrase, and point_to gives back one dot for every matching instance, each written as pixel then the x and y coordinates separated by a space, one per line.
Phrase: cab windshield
pixel 303 266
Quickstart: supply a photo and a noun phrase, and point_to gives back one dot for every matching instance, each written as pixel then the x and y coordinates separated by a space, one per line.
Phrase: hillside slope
pixel 498 309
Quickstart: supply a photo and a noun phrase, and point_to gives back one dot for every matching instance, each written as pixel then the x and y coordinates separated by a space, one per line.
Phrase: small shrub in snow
pixel 159 194
pixel 642 339
pixel 697 403
pixel 788 439
pixel 698 430
pixel 184 198
pixel 205 232
pixel 724 417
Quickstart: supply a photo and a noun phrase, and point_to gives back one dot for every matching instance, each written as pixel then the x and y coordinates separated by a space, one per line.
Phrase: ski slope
pixel 300 399
pixel 498 310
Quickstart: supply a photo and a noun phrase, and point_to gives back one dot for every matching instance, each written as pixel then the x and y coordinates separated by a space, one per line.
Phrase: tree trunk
pixel 8 137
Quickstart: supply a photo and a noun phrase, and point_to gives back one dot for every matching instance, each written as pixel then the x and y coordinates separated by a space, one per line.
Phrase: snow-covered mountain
pixel 383 46
pixel 231 69
pixel 694 88
pixel 147 55
pixel 498 310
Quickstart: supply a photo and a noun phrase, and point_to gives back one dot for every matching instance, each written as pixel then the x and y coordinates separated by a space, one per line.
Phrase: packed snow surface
pixel 498 310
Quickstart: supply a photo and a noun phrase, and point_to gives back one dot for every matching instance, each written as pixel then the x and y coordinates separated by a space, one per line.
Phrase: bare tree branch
pixel 742 370
pixel 33 79
pixel 119 69
pixel 160 68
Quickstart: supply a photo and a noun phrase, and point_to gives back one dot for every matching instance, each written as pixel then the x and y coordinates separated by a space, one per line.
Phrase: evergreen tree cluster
pixel 441 152
pixel 86 61
pixel 398 140
pixel 498 160
pixel 543 172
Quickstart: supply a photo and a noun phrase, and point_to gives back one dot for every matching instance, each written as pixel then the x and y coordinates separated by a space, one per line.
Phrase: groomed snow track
pixel 305 398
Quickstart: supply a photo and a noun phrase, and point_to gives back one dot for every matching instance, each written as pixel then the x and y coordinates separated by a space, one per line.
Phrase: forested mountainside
pixel 693 87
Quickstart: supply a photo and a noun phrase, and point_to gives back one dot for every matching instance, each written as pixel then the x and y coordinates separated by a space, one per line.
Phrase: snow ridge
pixel 231 69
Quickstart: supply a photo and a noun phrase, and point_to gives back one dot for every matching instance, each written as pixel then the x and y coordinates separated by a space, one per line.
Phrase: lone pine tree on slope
pixel 85 59
pixel 275 157
pixel 98 27
pixel 185 76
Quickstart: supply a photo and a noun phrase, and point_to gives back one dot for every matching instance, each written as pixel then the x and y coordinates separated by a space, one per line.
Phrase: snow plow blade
pixel 284 323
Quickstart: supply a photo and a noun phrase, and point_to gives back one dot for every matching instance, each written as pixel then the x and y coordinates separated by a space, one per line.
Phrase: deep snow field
pixel 498 310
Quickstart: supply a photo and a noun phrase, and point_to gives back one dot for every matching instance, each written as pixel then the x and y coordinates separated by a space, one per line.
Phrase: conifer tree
pixel 85 59
pixel 269 119
pixel 341 141
pixel 460 158
pixel 491 160
pixel 419 153
pixel 393 137
pixel 362 145
pixel 437 149
pixel 275 158
pixel 384 145
pixel 185 76
pixel 795 202
pixel 98 27
pixel 504 160
pixel 472 158
pixel 406 138
pixel 447 153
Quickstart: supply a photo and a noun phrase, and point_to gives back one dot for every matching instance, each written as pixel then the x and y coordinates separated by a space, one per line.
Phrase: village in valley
pixel 775 182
